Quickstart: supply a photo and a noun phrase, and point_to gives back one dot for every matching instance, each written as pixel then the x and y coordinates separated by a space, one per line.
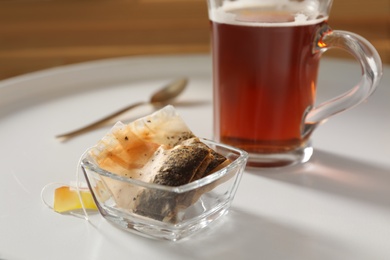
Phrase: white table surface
pixel 337 206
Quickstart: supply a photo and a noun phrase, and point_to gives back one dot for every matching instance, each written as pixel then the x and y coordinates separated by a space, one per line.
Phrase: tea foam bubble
pixel 268 13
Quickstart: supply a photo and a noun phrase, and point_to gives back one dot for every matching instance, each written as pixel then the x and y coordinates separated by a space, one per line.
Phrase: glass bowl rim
pixel 87 163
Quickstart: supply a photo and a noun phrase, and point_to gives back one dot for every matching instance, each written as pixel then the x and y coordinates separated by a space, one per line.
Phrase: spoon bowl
pixel 169 92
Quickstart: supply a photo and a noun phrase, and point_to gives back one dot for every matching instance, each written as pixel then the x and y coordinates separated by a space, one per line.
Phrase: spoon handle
pixel 98 123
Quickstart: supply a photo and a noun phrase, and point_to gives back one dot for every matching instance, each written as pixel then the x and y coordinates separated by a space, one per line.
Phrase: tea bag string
pixel 47 204
pixel 44 190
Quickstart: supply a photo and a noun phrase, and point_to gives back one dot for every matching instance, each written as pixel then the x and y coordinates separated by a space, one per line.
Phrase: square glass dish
pixel 167 212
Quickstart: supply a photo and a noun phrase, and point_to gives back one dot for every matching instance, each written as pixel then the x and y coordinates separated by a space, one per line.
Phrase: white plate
pixel 335 207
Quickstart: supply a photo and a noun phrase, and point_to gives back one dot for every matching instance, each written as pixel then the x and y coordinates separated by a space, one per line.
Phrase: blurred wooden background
pixel 39 34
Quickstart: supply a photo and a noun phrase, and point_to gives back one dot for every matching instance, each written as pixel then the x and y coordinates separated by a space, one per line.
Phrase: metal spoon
pixel 164 95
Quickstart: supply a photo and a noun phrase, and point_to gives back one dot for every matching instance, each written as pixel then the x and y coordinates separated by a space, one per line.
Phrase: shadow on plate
pixel 331 173
pixel 242 235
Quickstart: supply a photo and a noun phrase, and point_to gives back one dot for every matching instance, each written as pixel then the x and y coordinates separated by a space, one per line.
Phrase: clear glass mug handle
pixel 371 66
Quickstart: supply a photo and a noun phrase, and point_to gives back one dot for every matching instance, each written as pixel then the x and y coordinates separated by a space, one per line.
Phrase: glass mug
pixel 266 57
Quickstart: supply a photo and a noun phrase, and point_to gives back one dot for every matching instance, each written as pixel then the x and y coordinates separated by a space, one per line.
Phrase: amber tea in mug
pixel 266 57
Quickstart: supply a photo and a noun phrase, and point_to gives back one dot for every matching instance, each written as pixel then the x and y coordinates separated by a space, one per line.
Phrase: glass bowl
pixel 171 213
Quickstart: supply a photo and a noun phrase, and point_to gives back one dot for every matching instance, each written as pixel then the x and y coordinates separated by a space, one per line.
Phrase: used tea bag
pixel 160 149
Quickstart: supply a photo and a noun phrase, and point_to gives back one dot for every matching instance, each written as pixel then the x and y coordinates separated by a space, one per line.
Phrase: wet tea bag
pixel 160 149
